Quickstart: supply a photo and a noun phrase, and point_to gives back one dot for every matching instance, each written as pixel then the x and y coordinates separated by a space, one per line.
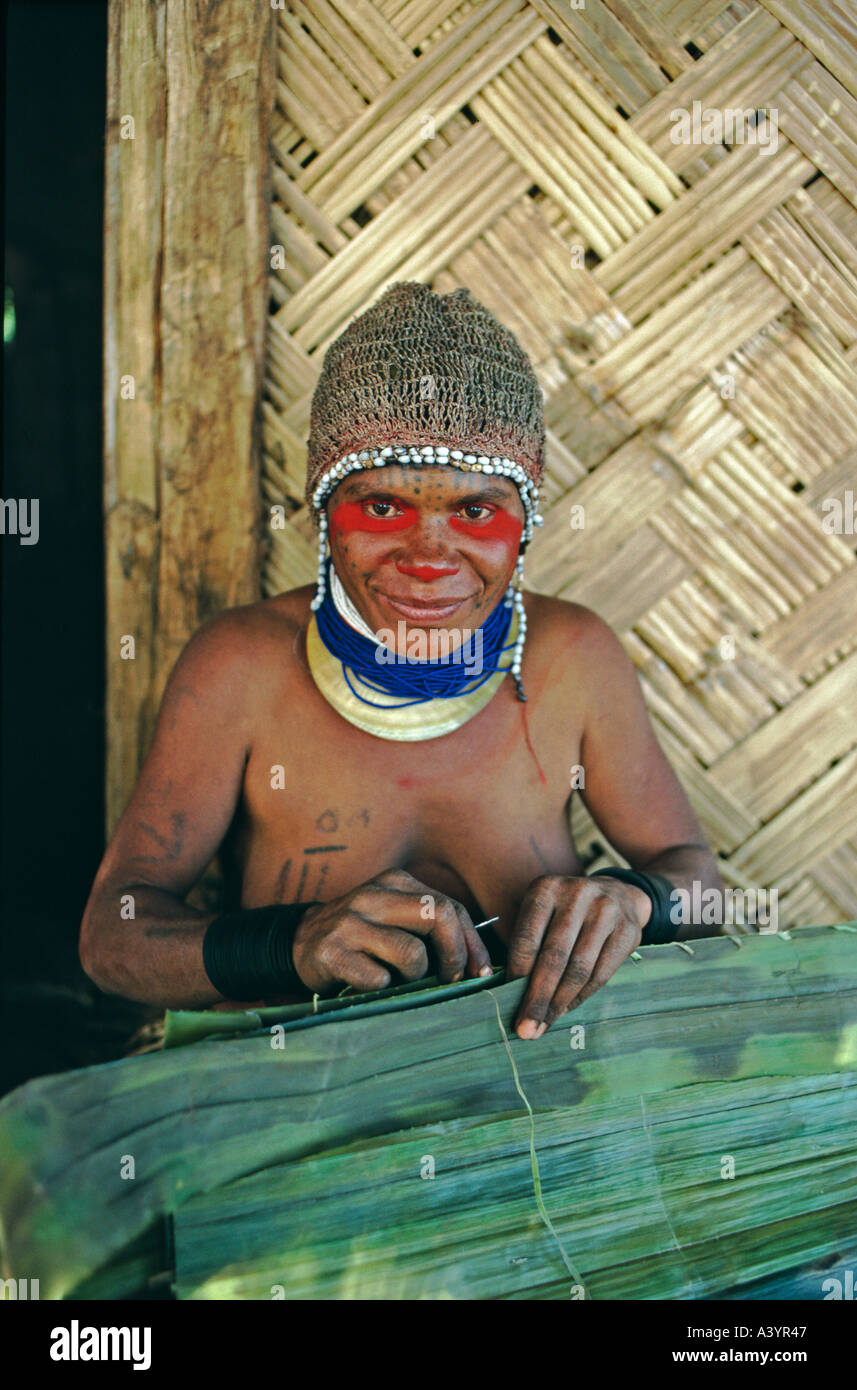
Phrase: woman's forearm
pixel 693 870
pixel 154 957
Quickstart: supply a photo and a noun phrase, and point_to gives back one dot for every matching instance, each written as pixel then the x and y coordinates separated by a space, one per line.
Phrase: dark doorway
pixel 52 591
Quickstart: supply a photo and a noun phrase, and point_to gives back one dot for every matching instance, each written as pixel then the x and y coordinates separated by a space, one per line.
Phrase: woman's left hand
pixel 570 935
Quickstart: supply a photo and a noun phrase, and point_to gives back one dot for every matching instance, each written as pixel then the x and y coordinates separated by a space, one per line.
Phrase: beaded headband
pixel 427 454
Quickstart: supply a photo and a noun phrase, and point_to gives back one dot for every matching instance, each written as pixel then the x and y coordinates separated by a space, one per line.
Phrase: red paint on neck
pixel 350 516
pixel 530 746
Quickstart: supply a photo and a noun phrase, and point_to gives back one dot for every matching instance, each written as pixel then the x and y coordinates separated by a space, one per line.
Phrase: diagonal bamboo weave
pixel 690 308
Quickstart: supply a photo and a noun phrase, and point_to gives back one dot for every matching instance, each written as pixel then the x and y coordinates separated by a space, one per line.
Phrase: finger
pixel 615 950
pixel 534 914
pixel 392 946
pixel 396 907
pixel 602 920
pixel 397 878
pixel 428 914
pixel 360 971
pixel 478 956
pixel 552 962
pixel 447 936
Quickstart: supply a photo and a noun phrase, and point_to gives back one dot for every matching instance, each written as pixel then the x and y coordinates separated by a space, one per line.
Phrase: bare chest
pixel 477 814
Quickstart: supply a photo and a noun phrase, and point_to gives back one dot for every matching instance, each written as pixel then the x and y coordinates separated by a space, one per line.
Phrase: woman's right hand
pixel 385 923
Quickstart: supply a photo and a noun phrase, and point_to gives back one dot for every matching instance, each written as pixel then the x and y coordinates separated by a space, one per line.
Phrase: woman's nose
pixel 427 554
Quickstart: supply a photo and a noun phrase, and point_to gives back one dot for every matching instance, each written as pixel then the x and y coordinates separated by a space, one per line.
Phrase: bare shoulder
pixel 572 637
pixel 585 668
pixel 246 645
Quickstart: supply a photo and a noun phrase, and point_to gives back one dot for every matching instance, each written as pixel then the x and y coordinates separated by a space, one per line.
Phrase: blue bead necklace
pixel 417 681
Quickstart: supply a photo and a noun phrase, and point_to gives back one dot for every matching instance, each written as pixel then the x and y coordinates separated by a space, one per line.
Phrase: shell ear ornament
pixel 518 652
pixel 321 582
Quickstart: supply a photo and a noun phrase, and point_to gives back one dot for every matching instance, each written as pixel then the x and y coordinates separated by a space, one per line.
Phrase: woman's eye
pixel 379 509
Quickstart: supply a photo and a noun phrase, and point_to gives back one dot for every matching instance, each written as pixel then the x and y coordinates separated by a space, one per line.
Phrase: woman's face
pixel 432 547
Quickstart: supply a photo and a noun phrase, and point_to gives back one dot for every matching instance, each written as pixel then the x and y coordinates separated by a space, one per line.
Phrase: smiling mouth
pixel 421 608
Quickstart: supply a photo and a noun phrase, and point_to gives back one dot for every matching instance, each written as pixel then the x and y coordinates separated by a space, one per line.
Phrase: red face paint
pixel 502 526
pixel 350 516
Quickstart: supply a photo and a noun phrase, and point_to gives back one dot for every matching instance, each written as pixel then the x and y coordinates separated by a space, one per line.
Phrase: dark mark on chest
pixel 539 855
pixel 299 896
pixel 325 865
pixel 280 890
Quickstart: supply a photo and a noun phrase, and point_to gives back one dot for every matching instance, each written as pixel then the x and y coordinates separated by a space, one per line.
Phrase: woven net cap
pixel 419 368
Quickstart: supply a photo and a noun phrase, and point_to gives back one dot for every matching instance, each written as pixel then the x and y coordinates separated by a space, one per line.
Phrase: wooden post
pixel 190 93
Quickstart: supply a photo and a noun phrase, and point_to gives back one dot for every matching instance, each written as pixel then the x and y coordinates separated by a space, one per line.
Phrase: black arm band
pixel 248 954
pixel 660 927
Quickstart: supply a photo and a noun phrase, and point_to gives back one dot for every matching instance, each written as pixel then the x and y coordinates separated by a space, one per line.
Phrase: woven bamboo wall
pixel 691 311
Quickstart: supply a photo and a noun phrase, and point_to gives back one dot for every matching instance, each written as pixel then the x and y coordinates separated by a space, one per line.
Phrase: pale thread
pixel 534 1162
